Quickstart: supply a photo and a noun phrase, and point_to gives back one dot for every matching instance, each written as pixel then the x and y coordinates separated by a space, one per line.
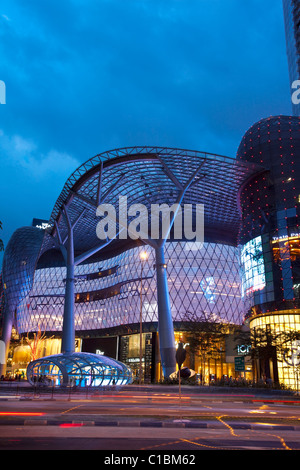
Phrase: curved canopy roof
pixel 151 175
pixel 79 368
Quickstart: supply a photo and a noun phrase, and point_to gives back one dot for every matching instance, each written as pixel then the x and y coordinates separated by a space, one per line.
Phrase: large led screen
pixel 253 268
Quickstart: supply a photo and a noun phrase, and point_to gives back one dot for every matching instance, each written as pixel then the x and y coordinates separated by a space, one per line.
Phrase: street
pixel 144 439
pixel 148 420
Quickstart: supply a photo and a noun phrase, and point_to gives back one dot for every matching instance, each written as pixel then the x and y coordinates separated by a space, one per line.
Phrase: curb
pixel 144 424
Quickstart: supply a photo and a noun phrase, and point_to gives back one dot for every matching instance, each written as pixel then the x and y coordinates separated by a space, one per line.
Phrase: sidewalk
pixel 24 386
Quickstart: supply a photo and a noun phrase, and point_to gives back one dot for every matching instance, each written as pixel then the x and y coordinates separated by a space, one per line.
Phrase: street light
pixel 143 257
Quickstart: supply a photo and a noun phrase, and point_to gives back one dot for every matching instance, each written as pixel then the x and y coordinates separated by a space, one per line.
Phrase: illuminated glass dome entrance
pixel 78 369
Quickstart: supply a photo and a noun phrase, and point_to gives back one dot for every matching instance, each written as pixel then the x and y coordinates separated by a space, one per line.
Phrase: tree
pixel 37 343
pixel 265 344
pixel 287 346
pixel 205 337
pixel 289 352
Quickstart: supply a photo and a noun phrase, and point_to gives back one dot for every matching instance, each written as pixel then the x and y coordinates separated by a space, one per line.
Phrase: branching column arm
pixel 165 322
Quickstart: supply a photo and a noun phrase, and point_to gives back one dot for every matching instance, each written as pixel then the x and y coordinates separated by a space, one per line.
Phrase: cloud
pixel 83 77
pixel 24 153
pixel 99 75
pixel 5 17
pixel 31 180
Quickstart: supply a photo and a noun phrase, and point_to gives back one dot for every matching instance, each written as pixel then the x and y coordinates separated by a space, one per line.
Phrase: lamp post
pixel 143 257
pixel 180 358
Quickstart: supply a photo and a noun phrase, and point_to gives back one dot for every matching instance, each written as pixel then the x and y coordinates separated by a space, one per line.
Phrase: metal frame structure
pixel 78 369
pixel 146 175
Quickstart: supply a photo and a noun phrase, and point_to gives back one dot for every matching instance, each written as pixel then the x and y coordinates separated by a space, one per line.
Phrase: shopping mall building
pixel 94 295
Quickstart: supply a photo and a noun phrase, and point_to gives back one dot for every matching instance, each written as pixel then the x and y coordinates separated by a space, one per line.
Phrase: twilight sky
pixel 86 76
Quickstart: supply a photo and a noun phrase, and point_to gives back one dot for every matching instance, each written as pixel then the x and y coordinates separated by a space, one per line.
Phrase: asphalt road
pixel 150 421
pixel 148 440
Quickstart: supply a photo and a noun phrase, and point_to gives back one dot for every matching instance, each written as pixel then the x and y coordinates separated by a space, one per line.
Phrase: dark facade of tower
pixel 270 235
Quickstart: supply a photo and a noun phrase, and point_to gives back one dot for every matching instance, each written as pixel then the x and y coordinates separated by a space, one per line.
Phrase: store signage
pixel 40 223
pixel 134 359
pixel 286 236
pixel 239 363
pixel 243 349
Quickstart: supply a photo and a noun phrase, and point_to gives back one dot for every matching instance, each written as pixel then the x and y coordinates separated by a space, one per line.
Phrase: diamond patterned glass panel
pixel 108 291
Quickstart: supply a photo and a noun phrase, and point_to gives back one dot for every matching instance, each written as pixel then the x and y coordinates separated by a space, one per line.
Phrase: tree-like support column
pixel 68 331
pixel 5 340
pixel 165 321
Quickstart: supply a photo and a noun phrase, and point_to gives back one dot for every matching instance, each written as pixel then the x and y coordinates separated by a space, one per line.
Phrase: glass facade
pixel 247 269
pixel 205 282
pixel 270 213
pixel 108 292
pixel 53 269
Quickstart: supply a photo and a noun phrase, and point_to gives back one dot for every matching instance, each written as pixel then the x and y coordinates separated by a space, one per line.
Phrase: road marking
pixel 161 445
pixel 70 409
pixel 219 418
pixel 199 444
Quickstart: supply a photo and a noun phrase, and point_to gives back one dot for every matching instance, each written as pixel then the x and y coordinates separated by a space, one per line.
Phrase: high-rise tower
pixel 292 30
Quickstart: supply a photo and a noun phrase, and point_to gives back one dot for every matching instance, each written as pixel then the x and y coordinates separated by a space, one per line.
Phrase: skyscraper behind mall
pixel 292 30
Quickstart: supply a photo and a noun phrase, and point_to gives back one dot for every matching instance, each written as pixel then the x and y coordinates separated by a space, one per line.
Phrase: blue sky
pixel 83 77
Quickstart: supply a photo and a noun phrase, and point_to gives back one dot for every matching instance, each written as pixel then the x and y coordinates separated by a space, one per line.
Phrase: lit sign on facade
pixel 40 223
pixel 286 236
pixel 253 268
pixel 243 349
pixel 98 351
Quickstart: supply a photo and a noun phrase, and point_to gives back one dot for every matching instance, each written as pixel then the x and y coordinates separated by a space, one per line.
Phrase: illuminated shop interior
pixel 277 322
